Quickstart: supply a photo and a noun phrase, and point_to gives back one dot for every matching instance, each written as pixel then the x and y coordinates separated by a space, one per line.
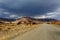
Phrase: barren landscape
pixel 27 28
pixel 29 19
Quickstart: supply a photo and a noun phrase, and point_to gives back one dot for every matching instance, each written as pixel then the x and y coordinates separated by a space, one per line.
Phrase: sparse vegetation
pixel 54 22
pixel 9 29
pixel 21 26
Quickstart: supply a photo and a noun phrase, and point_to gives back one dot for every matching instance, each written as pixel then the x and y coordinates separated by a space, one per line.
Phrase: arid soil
pixel 43 32
pixel 8 31
pixel 29 29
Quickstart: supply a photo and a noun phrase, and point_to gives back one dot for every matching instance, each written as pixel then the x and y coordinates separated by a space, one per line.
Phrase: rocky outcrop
pixel 26 20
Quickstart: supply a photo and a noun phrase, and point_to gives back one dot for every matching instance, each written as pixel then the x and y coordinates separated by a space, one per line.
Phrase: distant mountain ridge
pixel 41 19
pixel 29 18
pixel 7 19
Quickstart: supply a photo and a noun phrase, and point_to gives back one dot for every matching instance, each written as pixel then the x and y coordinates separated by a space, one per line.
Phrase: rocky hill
pixel 28 20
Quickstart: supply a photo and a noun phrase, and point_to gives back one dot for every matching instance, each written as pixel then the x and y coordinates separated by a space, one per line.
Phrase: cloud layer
pixel 54 15
pixel 17 8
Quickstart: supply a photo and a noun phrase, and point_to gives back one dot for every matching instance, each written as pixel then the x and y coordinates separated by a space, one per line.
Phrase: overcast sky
pixel 35 8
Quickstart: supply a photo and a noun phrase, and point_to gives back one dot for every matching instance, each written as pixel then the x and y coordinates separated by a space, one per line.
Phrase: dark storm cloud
pixel 28 7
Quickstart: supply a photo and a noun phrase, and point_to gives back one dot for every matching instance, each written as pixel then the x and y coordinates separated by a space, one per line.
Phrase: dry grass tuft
pixel 8 30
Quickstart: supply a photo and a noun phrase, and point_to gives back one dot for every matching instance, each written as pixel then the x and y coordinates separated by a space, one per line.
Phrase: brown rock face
pixel 23 20
pixel 26 20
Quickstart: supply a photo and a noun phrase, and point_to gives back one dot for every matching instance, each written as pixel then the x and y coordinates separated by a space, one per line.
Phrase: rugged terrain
pixel 27 28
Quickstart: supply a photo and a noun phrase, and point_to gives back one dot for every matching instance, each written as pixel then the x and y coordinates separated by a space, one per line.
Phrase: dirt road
pixel 43 32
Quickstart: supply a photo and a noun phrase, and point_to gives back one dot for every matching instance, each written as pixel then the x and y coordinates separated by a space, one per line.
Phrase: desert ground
pixel 10 31
pixel 31 32
pixel 43 32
